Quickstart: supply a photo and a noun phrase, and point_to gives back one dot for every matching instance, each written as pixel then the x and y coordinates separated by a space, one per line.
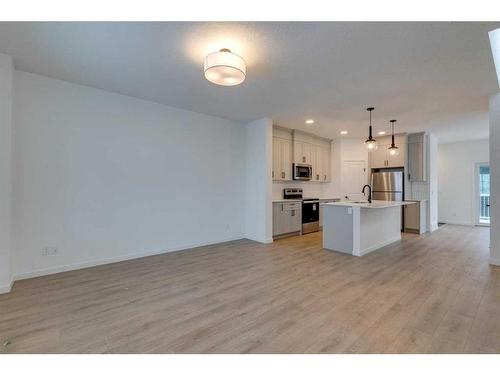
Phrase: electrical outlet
pixel 49 251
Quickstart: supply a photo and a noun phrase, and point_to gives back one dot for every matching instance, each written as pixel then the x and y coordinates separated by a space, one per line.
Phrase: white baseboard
pixel 259 239
pixel 6 288
pixel 377 246
pixel 463 223
pixel 434 226
pixel 120 258
pixel 495 262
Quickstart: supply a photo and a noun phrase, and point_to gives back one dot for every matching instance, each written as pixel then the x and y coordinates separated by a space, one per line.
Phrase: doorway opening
pixel 483 194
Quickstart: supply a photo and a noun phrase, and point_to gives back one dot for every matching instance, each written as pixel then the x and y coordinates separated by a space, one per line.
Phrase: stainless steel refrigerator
pixel 388 186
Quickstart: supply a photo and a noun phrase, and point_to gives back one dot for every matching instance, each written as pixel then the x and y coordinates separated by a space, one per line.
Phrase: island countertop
pixel 373 204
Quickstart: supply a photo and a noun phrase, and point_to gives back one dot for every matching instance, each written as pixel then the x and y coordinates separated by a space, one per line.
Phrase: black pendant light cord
pixel 370 109
pixel 392 123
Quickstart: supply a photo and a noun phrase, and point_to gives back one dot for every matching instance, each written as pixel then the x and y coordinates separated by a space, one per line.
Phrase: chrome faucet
pixel 369 192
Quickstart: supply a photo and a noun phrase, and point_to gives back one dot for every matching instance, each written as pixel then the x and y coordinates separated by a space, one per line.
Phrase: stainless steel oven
pixel 310 215
pixel 302 171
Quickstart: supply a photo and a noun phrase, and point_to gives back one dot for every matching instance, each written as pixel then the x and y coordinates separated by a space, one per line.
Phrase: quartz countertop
pixel 287 200
pixel 365 204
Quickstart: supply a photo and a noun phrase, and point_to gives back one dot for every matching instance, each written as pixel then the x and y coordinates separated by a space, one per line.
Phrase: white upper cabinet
pixel 302 152
pixel 381 158
pixel 299 147
pixel 378 158
pixel 317 162
pixel 282 159
pixel 417 157
pixel 327 162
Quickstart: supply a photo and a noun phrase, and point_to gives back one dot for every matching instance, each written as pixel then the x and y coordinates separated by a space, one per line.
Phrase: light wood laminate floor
pixel 426 294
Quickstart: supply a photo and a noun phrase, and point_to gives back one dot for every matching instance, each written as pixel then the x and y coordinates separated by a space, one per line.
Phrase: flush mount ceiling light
pixel 370 143
pixel 381 133
pixel 393 149
pixel 310 121
pixel 225 68
pixel 344 132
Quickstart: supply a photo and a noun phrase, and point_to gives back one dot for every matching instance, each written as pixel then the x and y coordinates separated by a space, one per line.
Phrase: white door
pixel 354 177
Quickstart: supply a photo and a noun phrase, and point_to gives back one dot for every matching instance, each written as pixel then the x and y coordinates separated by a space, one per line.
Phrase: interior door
pixel 354 177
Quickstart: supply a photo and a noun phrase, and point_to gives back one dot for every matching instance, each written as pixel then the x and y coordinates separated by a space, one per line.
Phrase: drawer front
pixel 292 206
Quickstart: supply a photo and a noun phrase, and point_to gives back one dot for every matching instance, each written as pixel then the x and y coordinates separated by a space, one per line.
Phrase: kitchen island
pixel 358 228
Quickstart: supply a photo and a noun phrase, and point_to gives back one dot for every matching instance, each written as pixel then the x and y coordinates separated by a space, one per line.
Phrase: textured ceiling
pixel 430 76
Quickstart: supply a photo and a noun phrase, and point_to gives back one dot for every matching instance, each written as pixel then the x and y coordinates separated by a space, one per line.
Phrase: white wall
pixel 104 177
pixel 258 186
pixel 6 72
pixel 495 178
pixel 456 181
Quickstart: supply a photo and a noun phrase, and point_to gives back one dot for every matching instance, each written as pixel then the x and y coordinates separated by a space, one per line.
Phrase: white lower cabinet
pixel 415 217
pixel 287 218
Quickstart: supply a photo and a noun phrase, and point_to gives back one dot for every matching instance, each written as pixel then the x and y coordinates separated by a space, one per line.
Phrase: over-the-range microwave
pixel 302 171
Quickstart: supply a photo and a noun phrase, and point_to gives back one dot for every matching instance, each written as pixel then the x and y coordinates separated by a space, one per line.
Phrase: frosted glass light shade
pixel 393 151
pixel 225 68
pixel 371 145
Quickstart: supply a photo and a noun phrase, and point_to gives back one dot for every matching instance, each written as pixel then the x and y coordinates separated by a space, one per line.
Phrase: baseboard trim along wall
pixel 261 240
pixel 121 258
pixel 463 223
pixel 377 246
pixel 495 262
pixel 6 288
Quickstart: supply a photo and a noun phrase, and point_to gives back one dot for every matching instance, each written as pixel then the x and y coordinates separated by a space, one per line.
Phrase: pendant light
pixel 370 143
pixel 393 149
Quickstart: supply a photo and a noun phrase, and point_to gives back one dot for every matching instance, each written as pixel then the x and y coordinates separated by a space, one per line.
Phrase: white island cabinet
pixel 358 228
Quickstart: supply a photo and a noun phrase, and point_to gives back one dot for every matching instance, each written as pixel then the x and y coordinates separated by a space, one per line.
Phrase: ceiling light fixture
pixel 393 149
pixel 344 132
pixel 381 133
pixel 225 68
pixel 310 121
pixel 370 143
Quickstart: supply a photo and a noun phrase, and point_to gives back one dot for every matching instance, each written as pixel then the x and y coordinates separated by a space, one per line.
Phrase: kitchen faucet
pixel 369 192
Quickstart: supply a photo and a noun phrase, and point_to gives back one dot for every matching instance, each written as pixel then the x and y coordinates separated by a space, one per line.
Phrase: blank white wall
pixel 456 184
pixel 258 186
pixel 495 178
pixel 105 177
pixel 6 72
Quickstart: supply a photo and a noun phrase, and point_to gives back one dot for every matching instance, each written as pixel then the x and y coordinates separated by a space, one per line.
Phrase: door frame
pixel 475 194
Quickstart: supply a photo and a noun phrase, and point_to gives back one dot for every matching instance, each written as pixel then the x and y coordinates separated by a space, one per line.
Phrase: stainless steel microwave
pixel 302 171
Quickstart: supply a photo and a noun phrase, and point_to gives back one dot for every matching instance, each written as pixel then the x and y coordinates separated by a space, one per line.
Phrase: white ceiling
pixel 429 76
